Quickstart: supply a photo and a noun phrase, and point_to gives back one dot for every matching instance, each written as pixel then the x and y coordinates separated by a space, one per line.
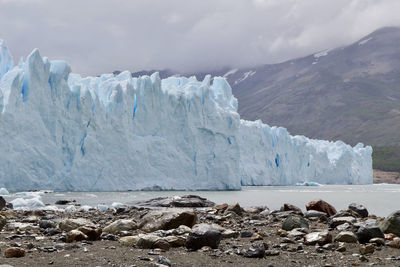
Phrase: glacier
pixel 65 132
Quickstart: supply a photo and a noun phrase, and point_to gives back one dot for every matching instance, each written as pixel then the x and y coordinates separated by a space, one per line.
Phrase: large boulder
pixel 187 201
pixel 166 220
pixel 120 225
pixel 294 221
pixel 203 235
pixel 321 205
pixel 359 209
pixel 391 224
pixel 365 234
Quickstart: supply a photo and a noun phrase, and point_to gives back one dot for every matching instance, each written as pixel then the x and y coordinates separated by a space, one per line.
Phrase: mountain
pixel 350 93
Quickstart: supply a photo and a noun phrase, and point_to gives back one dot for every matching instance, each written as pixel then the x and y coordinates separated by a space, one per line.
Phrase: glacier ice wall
pixel 64 132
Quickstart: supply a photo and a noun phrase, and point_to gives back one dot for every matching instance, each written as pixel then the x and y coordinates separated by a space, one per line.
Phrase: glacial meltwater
pixel 379 199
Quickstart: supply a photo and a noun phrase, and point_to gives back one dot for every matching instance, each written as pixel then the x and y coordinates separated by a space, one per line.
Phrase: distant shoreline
pixel 386 177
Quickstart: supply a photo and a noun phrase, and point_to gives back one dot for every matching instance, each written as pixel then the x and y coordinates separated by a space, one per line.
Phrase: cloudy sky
pixel 97 36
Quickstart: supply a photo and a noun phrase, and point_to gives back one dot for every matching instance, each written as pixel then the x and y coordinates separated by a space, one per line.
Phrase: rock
pixel 147 241
pixel 65 202
pixel 391 224
pixel 181 230
pixel 335 221
pixel 297 232
pixel 166 220
pixel 120 225
pixel 162 244
pixel 288 207
pixel 272 252
pixel 203 235
pixel 364 234
pixel 390 236
pixel 230 234
pixel 265 212
pixel 395 243
pixel 188 201
pixel 2 203
pixel 341 248
pixel 377 241
pixel 256 236
pixel 92 233
pixel 367 249
pixel 163 261
pixel 236 209
pixel 294 221
pixel 321 205
pixel 359 209
pixel 51 231
pixel 14 252
pixel 129 240
pixel 3 222
pixel 75 235
pixel 222 206
pixel 320 238
pixel 71 224
pixel 246 233
pixel 314 214
pixel 257 250
pixel 366 223
pixel 346 237
pixel 175 241
pixel 343 227
pixel 44 224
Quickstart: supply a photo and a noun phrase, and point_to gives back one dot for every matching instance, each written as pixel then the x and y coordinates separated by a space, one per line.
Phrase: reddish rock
pixel 14 252
pixel 321 205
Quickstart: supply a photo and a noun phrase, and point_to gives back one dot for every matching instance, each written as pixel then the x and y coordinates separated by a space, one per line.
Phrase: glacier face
pixel 64 132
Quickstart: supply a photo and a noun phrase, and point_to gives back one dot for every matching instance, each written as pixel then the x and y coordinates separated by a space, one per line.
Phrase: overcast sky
pixel 98 36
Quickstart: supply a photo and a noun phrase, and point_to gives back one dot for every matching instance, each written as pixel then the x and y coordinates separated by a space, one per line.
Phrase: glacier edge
pixel 61 131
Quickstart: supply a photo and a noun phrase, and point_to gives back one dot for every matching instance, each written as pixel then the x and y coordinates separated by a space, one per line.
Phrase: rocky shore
pixel 192 231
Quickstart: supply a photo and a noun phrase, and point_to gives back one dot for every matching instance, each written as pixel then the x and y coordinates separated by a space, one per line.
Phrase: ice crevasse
pixel 61 131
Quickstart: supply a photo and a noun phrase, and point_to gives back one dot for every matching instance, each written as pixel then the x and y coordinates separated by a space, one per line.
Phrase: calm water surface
pixel 380 199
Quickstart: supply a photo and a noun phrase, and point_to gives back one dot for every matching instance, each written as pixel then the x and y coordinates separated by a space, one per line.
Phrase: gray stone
pixel 314 214
pixel 365 234
pixel 257 250
pixel 294 221
pixel 320 238
pixel 346 237
pixel 334 222
pixel 71 224
pixel 166 220
pixel 120 225
pixel 188 201
pixel 391 224
pixel 359 209
pixel 203 235
pixel 163 261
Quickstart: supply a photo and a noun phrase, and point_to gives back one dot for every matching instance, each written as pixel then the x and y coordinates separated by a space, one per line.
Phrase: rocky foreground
pixel 192 231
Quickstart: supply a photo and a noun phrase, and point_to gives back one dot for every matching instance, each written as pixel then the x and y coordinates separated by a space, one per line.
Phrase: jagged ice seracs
pixel 61 131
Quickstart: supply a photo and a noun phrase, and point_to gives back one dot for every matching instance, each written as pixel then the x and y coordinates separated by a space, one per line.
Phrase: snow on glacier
pixel 61 131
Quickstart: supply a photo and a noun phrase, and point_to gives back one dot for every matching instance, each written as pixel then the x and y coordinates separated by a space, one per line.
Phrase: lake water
pixel 379 199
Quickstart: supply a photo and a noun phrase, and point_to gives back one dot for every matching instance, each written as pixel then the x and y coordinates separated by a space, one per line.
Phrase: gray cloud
pixel 97 36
